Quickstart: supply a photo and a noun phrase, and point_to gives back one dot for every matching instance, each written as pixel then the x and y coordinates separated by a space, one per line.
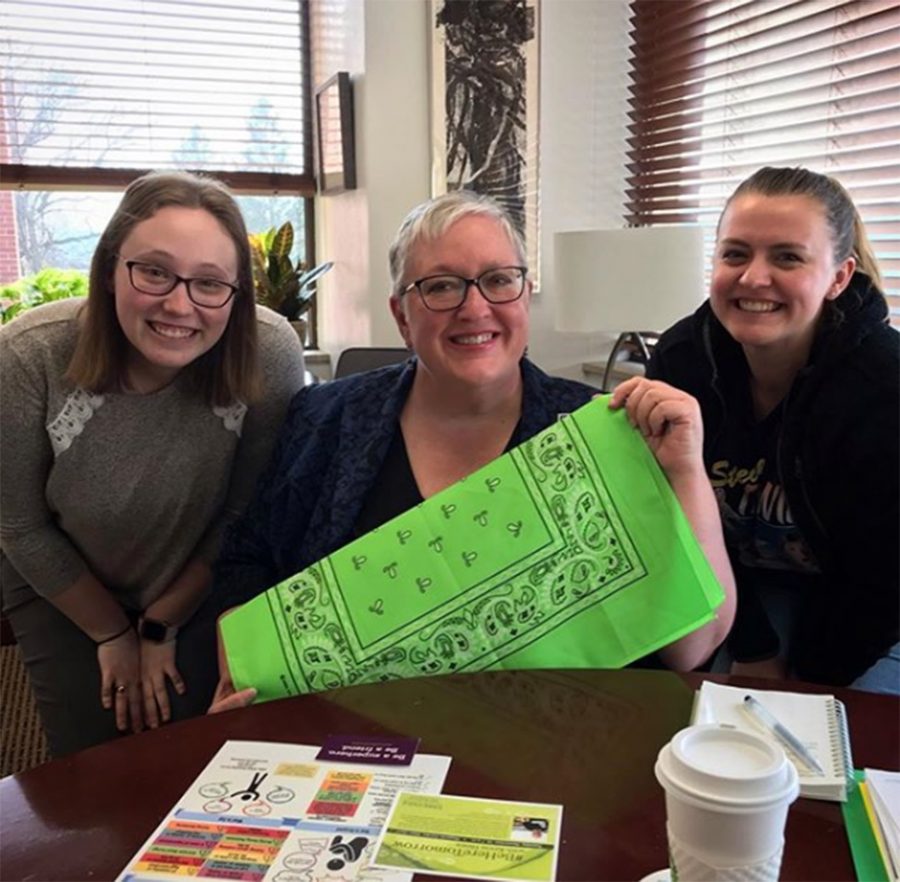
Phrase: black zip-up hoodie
pixel 838 455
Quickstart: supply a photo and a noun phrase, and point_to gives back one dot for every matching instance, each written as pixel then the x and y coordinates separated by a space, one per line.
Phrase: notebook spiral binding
pixel 839 734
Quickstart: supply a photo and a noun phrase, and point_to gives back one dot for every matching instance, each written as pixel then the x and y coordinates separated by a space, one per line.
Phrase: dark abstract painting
pixel 485 100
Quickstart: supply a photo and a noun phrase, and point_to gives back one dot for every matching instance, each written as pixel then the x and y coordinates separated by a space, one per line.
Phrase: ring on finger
pixel 121 690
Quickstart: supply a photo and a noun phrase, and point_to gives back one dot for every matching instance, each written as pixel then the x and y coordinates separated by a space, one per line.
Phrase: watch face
pixel 153 631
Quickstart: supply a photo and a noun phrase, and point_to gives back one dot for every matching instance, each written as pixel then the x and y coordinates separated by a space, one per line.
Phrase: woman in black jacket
pixel 797 372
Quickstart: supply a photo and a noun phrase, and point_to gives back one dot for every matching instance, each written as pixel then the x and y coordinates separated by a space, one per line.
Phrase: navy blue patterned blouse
pixel 331 449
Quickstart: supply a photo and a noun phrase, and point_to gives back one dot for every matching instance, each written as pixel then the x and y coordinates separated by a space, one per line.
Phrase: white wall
pixel 394 117
pixel 338 30
pixel 584 60
pixel 384 45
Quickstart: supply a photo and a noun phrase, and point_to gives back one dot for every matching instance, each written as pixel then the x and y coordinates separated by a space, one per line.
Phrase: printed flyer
pixel 471 838
pixel 268 812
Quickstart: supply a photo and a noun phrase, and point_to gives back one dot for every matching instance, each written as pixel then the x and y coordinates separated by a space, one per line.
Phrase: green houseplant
pixel 42 287
pixel 279 283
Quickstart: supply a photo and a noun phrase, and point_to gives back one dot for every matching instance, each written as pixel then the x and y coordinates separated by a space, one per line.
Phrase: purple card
pixel 378 749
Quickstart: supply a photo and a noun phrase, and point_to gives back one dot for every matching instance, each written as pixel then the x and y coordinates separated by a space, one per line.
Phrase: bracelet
pixel 115 636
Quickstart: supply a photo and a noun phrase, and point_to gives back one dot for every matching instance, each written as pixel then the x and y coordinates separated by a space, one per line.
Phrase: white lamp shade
pixel 636 279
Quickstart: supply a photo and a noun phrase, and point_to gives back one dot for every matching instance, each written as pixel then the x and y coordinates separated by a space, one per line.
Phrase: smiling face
pixel 479 344
pixel 167 333
pixel 773 271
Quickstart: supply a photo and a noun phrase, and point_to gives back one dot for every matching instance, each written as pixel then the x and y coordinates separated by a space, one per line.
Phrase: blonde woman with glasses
pixel 359 451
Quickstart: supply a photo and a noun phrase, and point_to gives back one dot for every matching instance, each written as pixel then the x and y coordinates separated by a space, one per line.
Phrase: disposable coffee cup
pixel 727 798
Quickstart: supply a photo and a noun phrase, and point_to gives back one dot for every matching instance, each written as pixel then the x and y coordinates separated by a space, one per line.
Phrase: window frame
pixel 18 176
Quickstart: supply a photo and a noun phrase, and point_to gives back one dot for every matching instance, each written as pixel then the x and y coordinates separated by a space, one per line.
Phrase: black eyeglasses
pixel 204 291
pixel 445 292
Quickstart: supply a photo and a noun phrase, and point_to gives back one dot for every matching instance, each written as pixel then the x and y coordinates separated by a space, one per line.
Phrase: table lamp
pixel 634 278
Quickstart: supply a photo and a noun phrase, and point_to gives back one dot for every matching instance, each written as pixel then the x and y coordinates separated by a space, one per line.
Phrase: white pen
pixel 781 732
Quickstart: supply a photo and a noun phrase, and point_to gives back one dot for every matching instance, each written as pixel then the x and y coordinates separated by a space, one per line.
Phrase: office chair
pixel 366 358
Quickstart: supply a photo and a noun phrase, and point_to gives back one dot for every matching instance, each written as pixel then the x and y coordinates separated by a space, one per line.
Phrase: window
pixel 722 87
pixel 93 93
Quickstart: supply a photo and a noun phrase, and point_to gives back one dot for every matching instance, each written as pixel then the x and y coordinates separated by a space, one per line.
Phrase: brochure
pixel 471 838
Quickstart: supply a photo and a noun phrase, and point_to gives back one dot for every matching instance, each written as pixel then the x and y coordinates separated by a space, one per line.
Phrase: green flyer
pixel 570 551
pixel 471 838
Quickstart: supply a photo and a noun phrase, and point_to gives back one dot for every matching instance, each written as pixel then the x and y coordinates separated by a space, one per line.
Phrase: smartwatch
pixel 156 630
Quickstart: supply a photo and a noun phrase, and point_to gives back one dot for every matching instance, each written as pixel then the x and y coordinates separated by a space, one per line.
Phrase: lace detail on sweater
pixel 232 416
pixel 80 406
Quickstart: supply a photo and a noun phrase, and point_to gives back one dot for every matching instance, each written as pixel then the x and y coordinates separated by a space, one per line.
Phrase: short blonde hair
pixel 433 218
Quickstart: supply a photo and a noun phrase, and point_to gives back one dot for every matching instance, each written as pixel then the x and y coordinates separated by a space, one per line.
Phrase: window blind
pixel 93 91
pixel 722 87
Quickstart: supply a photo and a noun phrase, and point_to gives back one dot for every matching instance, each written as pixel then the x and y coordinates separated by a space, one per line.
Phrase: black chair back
pixel 358 359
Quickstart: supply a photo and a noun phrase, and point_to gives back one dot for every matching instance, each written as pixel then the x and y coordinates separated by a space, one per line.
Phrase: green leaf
pixel 260 280
pixel 283 241
pixel 279 283
pixel 8 313
pixel 273 272
pixel 47 285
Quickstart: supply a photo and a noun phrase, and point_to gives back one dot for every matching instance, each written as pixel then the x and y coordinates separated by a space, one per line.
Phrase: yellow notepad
pixel 873 821
pixel 881 794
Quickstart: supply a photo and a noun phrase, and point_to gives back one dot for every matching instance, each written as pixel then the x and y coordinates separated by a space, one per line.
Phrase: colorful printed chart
pixel 266 812
pixel 216 851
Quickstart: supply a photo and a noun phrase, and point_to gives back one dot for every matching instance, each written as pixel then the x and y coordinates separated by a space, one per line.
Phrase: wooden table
pixel 586 739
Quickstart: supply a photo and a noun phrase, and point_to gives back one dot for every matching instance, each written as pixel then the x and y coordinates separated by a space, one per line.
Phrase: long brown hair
pixel 229 371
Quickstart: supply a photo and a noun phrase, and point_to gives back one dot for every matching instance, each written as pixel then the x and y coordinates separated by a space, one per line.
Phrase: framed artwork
pixel 484 94
pixel 335 150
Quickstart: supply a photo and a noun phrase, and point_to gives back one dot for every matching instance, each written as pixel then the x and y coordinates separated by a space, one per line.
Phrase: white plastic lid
pixel 724 764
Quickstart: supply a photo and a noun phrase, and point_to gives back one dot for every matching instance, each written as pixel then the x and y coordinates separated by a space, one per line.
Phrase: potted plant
pixel 279 283
pixel 42 287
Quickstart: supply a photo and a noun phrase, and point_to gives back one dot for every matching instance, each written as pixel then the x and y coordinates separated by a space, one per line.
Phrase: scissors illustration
pixel 252 792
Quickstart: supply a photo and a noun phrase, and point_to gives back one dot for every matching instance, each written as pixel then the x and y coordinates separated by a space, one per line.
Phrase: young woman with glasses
pixel 134 425
pixel 359 451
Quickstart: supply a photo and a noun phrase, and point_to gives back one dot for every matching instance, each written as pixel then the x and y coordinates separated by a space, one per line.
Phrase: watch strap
pixel 156 630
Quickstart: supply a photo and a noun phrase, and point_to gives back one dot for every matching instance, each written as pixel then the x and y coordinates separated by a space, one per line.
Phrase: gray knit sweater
pixel 130 486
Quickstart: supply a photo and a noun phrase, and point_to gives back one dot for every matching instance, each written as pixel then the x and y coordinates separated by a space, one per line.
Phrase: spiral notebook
pixel 819 721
